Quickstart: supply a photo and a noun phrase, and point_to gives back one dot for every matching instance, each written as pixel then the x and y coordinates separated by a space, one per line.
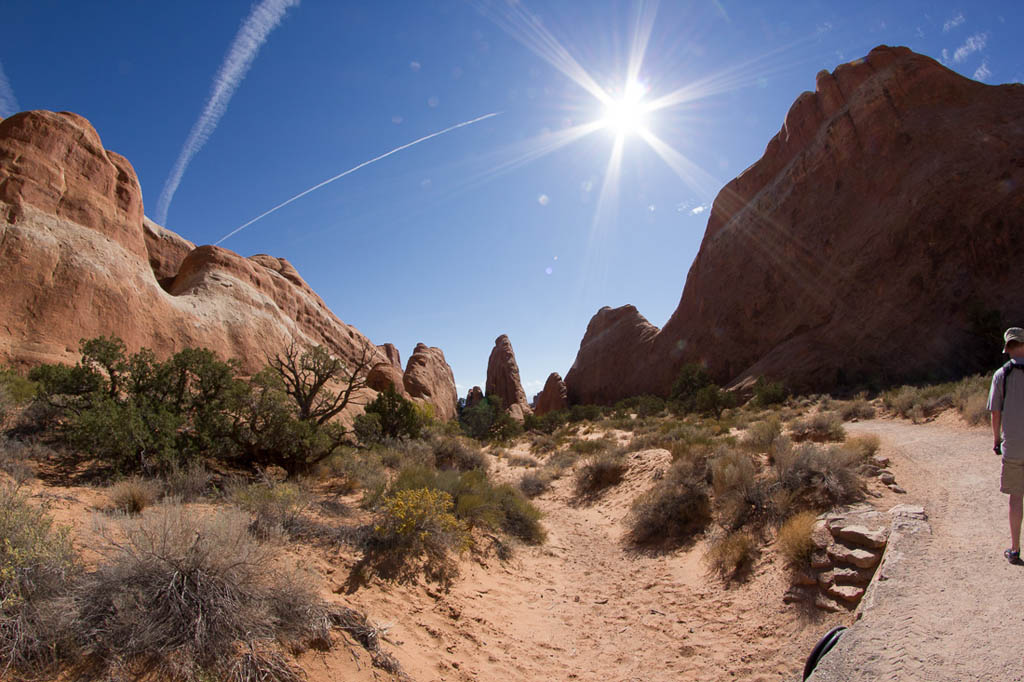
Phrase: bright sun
pixel 628 114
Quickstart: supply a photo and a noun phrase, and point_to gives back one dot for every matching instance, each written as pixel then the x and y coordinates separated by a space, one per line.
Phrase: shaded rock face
pixel 872 244
pixel 429 377
pixel 383 375
pixel 474 396
pixel 553 397
pixel 78 260
pixel 503 379
pixel 614 359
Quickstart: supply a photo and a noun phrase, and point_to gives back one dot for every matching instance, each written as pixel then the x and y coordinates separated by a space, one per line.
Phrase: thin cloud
pixel 953 23
pixel 983 73
pixel 254 31
pixel 975 43
pixel 8 105
pixel 697 210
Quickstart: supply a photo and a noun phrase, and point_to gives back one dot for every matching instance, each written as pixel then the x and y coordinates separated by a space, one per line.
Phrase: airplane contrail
pixel 8 105
pixel 353 170
pixel 253 32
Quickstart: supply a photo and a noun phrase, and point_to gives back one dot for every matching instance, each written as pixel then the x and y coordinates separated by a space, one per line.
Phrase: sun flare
pixel 627 115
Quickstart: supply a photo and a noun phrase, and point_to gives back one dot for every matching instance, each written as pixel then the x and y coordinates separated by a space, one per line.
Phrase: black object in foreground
pixel 823 646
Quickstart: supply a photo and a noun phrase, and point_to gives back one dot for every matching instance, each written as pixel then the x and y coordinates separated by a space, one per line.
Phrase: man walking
pixel 1006 402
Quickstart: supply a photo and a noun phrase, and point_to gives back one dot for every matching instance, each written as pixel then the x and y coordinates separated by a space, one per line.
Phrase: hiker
pixel 1006 402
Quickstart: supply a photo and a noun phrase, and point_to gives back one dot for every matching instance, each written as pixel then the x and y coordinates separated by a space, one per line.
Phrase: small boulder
pixel 861 535
pixel 848 593
pixel 886 477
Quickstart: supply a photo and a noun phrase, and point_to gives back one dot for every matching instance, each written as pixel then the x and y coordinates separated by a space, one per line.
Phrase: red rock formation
pixel 77 260
pixel 503 379
pixel 429 377
pixel 474 396
pixel 554 397
pixel 613 358
pixel 384 374
pixel 392 355
pixel 875 242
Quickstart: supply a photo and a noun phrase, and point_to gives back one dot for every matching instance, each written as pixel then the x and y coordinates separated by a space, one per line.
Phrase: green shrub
pixel 18 389
pixel 276 507
pixel 711 400
pixel 520 518
pixel 487 420
pixel 732 556
pixel 37 567
pixel 416 530
pixel 600 471
pixel 767 393
pixel 691 378
pixel 367 428
pixel 675 509
pixel 818 427
pixel 794 539
pixel 134 494
pixel 181 595
pixel 397 416
pixel 641 405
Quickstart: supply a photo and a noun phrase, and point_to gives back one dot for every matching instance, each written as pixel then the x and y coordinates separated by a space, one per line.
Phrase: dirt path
pixel 950 609
pixel 585 607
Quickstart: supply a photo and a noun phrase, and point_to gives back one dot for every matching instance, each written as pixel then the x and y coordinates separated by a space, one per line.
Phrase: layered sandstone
pixel 874 243
pixel 78 260
pixel 553 397
pixel 503 379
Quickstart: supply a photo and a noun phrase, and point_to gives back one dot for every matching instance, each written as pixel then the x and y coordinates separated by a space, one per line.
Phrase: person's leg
pixel 1016 514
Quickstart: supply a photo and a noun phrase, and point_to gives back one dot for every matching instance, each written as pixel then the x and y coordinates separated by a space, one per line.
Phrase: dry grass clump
pixel 534 483
pixel 134 494
pixel 37 564
pixel 522 461
pixel 675 509
pixel 739 494
pixel 542 443
pixel 732 556
pixel 187 483
pixel 818 478
pixel 819 427
pixel 794 538
pixel 761 434
pixel 600 472
pixel 859 408
pixel 16 459
pixel 350 470
pixel 456 452
pixel 862 447
pixel 276 507
pixel 415 532
pixel 591 446
pixel 179 594
pixel 923 402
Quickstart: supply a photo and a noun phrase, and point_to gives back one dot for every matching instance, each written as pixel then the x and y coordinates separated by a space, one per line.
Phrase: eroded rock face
pixel 429 377
pixel 553 397
pixel 78 260
pixel 383 375
pixel 503 379
pixel 392 354
pixel 873 243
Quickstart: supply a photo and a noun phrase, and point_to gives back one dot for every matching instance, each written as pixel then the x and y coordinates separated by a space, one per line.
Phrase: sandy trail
pixel 586 607
pixel 950 610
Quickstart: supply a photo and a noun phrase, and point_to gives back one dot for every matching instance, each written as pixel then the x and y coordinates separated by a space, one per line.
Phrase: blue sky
pixel 492 228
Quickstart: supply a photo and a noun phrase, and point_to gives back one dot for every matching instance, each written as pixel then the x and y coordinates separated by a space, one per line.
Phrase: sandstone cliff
pixel 78 259
pixel 503 379
pixel 873 243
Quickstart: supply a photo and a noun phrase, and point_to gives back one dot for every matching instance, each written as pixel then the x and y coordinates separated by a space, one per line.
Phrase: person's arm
pixel 997 423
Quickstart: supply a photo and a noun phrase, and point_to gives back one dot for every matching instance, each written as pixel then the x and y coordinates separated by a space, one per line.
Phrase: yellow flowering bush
pixel 417 529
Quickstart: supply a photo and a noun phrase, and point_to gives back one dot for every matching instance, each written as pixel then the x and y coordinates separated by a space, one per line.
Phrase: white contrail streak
pixel 254 31
pixel 8 105
pixel 353 170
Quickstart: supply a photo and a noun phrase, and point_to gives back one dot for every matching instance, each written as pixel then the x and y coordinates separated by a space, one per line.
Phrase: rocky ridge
pixel 868 246
pixel 78 259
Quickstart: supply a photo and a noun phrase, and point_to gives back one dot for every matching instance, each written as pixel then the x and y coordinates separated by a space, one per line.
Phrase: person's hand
pixel 998 448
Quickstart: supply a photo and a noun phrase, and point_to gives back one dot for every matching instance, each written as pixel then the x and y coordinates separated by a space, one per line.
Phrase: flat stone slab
pixel 909 511
pixel 848 575
pixel 862 535
pixel 848 593
pixel 861 558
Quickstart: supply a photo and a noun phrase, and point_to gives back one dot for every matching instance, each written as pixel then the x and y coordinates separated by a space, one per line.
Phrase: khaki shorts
pixel 1012 479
